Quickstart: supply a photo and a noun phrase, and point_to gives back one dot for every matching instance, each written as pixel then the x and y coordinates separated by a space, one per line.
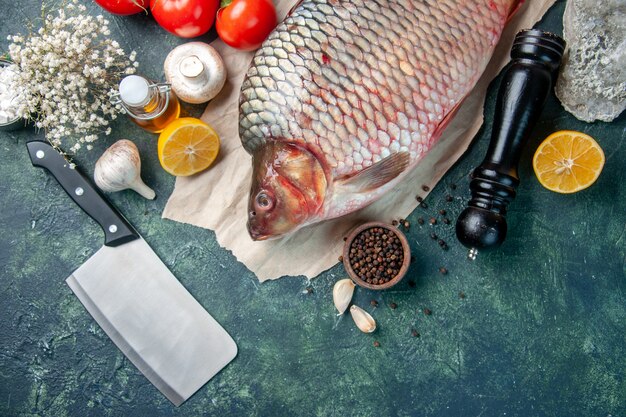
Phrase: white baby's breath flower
pixel 68 69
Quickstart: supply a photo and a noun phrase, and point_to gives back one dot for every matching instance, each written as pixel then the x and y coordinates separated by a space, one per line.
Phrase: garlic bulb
pixel 342 294
pixel 119 168
pixel 363 320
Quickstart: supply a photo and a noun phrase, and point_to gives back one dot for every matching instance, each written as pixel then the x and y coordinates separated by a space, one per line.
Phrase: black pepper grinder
pixel 526 83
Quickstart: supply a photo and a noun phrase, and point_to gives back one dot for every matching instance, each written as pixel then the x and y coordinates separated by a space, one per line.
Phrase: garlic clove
pixel 142 189
pixel 342 294
pixel 119 168
pixel 363 320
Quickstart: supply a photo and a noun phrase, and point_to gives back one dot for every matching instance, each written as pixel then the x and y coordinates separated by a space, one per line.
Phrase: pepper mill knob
pixel 526 83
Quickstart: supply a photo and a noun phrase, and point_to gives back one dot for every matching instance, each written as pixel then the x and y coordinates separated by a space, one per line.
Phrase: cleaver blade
pixel 136 300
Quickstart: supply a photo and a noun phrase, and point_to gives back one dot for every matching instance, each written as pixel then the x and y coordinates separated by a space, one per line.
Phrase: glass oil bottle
pixel 151 106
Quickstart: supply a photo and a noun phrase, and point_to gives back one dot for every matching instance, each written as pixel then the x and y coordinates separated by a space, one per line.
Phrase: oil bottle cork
pixel 196 72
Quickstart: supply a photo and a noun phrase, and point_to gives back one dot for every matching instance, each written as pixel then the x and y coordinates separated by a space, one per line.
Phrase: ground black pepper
pixel 376 255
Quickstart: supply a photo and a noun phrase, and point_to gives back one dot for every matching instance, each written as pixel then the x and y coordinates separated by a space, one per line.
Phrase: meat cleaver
pixel 136 300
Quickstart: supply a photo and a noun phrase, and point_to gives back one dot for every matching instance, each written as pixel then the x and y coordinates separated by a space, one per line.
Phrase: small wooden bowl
pixel 403 268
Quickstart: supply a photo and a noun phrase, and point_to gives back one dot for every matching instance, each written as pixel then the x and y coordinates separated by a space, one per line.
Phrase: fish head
pixel 288 189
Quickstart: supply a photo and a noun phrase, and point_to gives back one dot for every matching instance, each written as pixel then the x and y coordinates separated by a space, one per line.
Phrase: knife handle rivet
pixel 113 228
pixel 79 191
pixel 40 154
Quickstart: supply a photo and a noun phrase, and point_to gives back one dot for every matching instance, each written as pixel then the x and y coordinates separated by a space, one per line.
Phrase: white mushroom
pixel 196 72
pixel 119 168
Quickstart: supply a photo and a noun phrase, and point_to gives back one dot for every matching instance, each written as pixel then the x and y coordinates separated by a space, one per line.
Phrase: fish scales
pixel 356 81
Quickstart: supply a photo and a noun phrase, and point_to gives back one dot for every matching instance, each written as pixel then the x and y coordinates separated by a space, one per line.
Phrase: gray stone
pixel 592 83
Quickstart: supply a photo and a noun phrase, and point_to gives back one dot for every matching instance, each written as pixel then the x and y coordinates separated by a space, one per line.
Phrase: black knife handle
pixel 117 230
pixel 525 85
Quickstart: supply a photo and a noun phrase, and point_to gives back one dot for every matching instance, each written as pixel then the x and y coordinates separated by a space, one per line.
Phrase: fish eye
pixel 264 201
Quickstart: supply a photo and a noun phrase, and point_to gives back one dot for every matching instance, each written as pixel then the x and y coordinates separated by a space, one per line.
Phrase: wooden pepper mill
pixel 526 83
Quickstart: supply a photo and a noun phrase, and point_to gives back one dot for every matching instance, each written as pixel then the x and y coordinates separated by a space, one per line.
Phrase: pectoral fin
pixel 377 174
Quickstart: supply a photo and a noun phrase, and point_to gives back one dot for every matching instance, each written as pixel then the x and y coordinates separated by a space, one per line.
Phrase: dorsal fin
pixel 377 174
pixel 514 8
pixel 447 119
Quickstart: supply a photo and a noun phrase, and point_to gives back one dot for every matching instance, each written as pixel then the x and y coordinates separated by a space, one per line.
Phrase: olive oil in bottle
pixel 151 106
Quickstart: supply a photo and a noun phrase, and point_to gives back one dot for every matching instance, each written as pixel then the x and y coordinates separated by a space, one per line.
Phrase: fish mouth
pixel 256 234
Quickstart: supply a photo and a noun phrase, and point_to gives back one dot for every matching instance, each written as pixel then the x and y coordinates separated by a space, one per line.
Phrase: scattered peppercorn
pixel 340 258
pixel 443 270
pixel 425 188
pixel 441 242
pixel 444 246
pixel 376 255
pixel 427 311
pixel 461 295
pixel 415 333
pixel 446 220
pixel 376 343
pixel 407 224
pixel 419 199
pixel 449 198
pixel 393 305
pixel 394 222
pixel 442 212
pixel 374 303
pixel 309 290
pixel 433 236
pixel 432 221
pixel 424 205
pixel 345 238
pixel 420 221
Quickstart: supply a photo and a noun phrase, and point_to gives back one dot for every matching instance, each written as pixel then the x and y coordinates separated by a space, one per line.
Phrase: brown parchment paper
pixel 217 198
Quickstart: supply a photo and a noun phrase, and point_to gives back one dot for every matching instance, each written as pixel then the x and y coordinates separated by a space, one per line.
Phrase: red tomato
pixel 123 7
pixel 245 24
pixel 185 18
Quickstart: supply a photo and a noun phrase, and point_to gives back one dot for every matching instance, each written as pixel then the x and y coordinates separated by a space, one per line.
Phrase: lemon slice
pixel 187 146
pixel 568 161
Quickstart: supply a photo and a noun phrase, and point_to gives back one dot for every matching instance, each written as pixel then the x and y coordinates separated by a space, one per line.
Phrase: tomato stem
pixel 224 3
